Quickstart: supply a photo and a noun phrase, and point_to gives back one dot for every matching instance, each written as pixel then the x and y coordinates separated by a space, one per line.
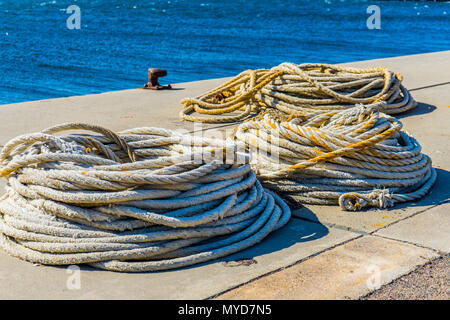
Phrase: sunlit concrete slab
pixel 345 272
pixel 429 229
pixel 117 110
pixel 296 241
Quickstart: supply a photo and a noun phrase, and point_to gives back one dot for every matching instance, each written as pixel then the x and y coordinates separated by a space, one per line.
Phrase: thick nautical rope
pixel 146 199
pixel 293 89
pixel 355 158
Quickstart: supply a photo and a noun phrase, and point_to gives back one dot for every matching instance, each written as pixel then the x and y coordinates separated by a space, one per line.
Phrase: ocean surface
pixel 118 41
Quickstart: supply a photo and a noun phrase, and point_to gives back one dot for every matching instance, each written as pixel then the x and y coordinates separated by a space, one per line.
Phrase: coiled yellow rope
pixel 292 89
pixel 146 199
pixel 355 158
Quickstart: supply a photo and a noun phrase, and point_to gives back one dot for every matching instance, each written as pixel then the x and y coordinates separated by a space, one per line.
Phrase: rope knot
pixel 353 201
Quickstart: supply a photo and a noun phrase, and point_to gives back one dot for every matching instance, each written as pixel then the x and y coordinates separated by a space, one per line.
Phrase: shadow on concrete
pixel 295 231
pixel 422 108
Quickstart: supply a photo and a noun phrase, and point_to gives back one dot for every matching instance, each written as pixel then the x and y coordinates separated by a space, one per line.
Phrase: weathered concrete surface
pixel 429 229
pixel 345 272
pixel 298 240
pixel 117 110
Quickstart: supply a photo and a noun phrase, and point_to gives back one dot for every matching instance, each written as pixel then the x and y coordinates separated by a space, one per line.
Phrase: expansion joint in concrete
pixel 439 252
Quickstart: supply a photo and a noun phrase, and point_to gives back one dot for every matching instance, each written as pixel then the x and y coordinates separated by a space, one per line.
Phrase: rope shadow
pixel 296 231
pixel 422 108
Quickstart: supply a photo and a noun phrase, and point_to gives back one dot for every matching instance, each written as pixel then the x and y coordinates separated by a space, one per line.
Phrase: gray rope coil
pixel 355 158
pixel 146 199
pixel 293 89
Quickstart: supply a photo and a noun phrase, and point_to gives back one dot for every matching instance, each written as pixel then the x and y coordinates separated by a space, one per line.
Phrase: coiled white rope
pixel 291 89
pixel 355 158
pixel 146 199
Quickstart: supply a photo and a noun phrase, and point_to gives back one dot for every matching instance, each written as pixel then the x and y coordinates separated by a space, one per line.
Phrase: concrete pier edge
pixel 323 253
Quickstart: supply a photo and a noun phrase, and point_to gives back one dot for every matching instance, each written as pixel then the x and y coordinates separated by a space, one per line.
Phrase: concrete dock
pixel 323 252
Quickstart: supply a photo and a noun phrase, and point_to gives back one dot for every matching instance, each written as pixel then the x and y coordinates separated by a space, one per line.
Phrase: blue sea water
pixel 196 39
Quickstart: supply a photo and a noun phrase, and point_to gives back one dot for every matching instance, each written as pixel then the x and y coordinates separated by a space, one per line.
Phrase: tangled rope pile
pixel 146 199
pixel 293 89
pixel 357 158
